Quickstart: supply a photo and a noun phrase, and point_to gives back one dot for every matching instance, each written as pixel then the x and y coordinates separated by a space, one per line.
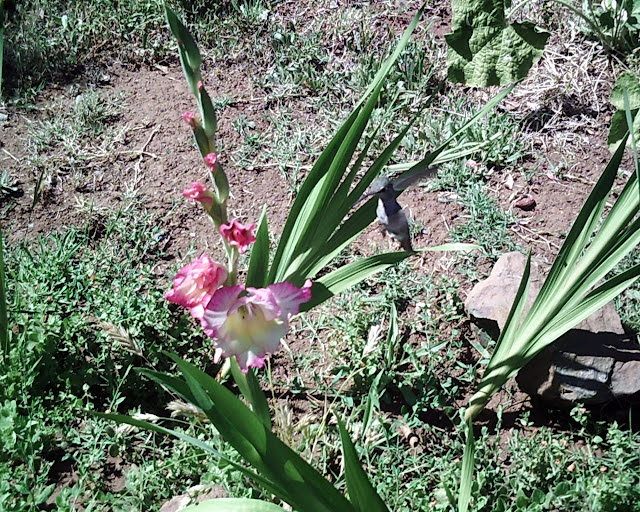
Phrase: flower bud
pixel 190 119
pixel 211 159
pixel 196 283
pixel 199 192
pixel 238 235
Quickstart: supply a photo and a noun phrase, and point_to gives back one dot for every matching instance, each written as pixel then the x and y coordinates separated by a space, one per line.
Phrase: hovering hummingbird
pixel 390 213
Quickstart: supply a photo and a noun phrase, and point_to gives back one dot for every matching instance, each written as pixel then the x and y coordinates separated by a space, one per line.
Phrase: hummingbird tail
pixel 406 245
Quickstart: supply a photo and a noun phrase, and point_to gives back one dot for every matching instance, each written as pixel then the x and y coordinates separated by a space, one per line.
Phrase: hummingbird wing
pixel 411 176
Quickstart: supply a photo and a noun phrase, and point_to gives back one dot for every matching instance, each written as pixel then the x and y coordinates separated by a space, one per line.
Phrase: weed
pixel 72 138
pixel 252 141
pixel 299 66
pixel 487 225
pixel 48 40
pixel 615 24
pixel 290 147
pixel 8 187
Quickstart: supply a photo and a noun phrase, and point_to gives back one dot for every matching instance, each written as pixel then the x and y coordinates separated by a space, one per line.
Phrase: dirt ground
pixel 155 156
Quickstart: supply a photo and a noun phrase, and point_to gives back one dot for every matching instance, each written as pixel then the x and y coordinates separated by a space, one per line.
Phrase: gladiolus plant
pixel 248 318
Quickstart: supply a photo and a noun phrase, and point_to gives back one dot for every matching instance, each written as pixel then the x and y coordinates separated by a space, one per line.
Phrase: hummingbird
pixel 389 212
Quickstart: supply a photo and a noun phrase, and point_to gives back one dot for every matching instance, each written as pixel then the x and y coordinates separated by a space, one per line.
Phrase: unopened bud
pixel 190 119
pixel 211 159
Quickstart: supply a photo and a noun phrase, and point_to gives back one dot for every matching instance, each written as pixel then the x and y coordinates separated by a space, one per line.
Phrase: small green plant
pixel 66 142
pixel 4 324
pixel 7 185
pixel 625 97
pixel 488 224
pixel 616 24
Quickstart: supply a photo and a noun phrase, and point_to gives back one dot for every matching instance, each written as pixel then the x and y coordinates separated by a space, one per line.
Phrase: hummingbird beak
pixel 363 198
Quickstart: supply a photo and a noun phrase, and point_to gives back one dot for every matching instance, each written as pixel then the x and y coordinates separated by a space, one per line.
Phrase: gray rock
pixel 592 363
pixel 583 367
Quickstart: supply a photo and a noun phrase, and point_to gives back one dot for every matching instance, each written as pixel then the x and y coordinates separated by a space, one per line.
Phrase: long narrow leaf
pixel 324 160
pixel 466 476
pixel 174 384
pixel 350 275
pixel 373 401
pixel 392 335
pixel 313 212
pixel 259 262
pixel 345 234
pixel 493 377
pixel 595 300
pixel 266 484
pixel 629 119
pixel 324 252
pixel 579 234
pixel 590 277
pixel 364 215
pixel 233 505
pixel 362 494
pixel 614 240
pixel 193 60
pixel 490 105
pixel 242 429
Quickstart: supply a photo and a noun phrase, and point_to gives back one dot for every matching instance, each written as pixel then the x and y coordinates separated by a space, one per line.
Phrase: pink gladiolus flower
pixel 249 324
pixel 196 283
pixel 190 119
pixel 211 160
pixel 199 192
pixel 238 235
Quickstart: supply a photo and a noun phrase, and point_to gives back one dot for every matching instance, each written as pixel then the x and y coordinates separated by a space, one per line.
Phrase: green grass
pixel 487 224
pixel 63 363
pixel 48 41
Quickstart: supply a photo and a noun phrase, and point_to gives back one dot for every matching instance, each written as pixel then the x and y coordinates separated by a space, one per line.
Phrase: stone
pixel 583 367
pixel 489 302
pixel 592 364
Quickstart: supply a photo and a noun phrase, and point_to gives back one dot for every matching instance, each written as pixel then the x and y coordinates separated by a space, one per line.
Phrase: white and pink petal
pixel 217 310
pixel 289 297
